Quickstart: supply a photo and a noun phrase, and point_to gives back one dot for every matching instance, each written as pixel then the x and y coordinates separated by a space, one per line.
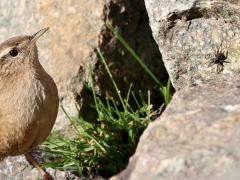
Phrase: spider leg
pixel 226 61
pixel 218 50
pixel 220 68
pixel 220 47
pixel 226 54
pixel 211 63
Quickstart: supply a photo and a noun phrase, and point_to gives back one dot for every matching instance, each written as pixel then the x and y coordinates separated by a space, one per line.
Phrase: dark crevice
pixel 188 15
pixel 217 10
pixel 131 20
pixel 193 13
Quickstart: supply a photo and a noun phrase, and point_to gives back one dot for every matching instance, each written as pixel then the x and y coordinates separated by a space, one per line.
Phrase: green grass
pixel 104 146
pixel 164 90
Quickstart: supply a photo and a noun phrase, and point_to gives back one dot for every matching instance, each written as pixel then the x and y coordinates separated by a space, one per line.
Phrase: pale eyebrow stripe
pixel 6 51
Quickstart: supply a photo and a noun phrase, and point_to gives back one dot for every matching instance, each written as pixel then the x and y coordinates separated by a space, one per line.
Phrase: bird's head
pixel 19 52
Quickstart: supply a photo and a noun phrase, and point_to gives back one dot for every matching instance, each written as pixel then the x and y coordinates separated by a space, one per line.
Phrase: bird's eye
pixel 13 52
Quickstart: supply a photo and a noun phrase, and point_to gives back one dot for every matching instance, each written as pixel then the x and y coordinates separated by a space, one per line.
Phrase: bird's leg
pixel 32 161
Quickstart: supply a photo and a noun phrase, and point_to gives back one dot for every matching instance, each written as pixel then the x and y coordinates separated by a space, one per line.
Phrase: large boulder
pixel 197 136
pixel 189 32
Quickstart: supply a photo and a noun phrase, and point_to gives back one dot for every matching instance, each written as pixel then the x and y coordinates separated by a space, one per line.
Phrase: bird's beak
pixel 37 35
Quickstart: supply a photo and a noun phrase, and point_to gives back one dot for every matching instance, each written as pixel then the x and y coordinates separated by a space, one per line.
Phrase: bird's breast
pixel 27 113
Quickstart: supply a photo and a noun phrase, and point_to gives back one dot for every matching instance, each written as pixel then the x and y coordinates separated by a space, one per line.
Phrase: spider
pixel 219 58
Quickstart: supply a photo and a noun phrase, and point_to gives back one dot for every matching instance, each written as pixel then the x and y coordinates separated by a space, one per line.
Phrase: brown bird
pixel 28 96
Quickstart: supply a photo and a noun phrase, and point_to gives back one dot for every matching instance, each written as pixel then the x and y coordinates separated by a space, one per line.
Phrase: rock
pixel 74 30
pixel 196 138
pixel 189 32
pixel 19 169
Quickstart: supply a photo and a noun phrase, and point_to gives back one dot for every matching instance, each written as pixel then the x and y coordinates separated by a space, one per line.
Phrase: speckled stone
pixel 189 32
pixel 17 168
pixel 74 29
pixel 197 137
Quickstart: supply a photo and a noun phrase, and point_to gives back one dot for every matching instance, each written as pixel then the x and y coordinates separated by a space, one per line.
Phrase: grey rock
pixel 196 138
pixel 189 32
pixel 17 168
pixel 74 30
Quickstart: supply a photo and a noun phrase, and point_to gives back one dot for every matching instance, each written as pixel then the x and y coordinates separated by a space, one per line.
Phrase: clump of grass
pixel 104 146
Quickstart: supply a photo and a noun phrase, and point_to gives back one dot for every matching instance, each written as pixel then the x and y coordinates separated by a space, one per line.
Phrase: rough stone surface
pixel 196 138
pixel 18 169
pixel 74 30
pixel 189 32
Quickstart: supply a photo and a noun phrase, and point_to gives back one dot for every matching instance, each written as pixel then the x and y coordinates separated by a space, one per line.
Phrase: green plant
pixel 164 90
pixel 103 147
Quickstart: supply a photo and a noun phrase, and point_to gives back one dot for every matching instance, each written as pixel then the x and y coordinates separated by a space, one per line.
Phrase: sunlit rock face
pixel 197 136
